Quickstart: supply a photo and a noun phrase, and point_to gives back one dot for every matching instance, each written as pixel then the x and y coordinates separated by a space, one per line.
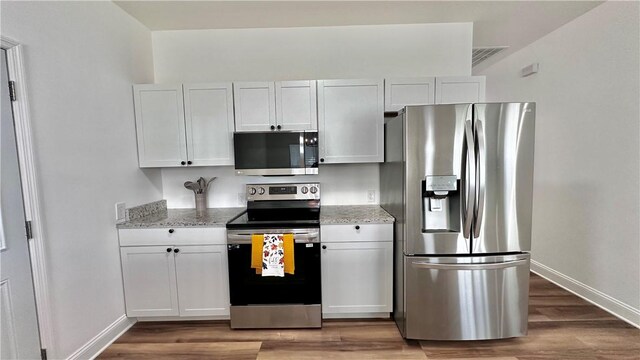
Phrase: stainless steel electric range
pixel 292 301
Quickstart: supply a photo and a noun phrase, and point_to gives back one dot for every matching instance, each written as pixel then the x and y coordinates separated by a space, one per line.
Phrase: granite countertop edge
pixel 218 217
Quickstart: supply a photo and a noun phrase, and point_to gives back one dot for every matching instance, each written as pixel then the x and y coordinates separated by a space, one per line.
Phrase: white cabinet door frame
pixel 209 123
pixel 296 105
pixel 160 125
pixel 357 277
pixel 203 281
pixel 401 92
pixel 254 105
pixel 460 89
pixel 339 116
pixel 149 277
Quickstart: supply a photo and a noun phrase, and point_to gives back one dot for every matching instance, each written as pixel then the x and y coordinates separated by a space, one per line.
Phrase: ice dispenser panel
pixel 440 204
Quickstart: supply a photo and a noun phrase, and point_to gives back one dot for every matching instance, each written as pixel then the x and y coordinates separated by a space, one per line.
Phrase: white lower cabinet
pixel 203 281
pixel 357 278
pixel 175 280
pixel 149 275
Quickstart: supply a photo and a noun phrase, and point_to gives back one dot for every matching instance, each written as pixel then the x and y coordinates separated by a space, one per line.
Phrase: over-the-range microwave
pixel 276 152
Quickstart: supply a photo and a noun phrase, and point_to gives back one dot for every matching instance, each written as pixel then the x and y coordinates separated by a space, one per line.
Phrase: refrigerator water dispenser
pixel 440 204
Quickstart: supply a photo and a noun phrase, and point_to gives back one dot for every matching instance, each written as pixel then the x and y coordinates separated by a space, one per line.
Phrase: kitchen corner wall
pixel 81 59
pixel 586 227
pixel 334 52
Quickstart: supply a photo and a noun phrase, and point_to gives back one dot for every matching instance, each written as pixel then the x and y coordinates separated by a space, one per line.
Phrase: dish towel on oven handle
pixel 272 254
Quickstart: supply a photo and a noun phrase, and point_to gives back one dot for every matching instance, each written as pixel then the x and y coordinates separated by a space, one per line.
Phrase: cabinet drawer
pixel 356 232
pixel 173 236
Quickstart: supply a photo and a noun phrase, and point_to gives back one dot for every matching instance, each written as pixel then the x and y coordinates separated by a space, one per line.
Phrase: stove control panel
pixel 297 191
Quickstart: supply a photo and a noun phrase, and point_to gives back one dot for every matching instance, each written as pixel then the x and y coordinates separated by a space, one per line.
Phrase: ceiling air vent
pixel 480 54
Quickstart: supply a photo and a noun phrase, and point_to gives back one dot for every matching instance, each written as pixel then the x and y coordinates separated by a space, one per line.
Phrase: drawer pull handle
pixel 176 250
pixel 324 247
pixel 171 231
pixel 357 227
pixel 168 250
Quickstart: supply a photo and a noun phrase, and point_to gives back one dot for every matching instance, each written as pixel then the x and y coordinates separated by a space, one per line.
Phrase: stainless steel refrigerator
pixel 459 180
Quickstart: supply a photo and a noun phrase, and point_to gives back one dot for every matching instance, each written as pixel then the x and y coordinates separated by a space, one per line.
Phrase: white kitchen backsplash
pixel 344 184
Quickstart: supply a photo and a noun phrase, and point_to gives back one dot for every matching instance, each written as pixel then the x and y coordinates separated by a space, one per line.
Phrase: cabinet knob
pixel 171 231
pixel 324 247
pixel 357 227
pixel 183 163
pixel 176 250
pixel 321 159
pixel 189 162
pixel 273 127
pixel 168 249
pixel 279 127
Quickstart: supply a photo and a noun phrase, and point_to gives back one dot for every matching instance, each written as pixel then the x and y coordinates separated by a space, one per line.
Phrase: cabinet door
pixel 149 281
pixel 296 105
pixel 399 93
pixel 203 281
pixel 357 277
pixel 460 89
pixel 255 105
pixel 160 125
pixel 209 123
pixel 350 121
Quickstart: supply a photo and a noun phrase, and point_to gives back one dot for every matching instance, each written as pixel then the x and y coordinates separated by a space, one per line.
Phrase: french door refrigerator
pixel 459 180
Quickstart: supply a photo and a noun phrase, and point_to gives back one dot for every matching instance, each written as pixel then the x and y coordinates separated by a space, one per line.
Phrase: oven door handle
pixel 245 238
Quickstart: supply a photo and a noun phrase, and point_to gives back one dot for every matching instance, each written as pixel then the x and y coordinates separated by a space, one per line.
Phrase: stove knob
pixel 314 189
pixel 252 191
pixel 304 190
pixel 261 191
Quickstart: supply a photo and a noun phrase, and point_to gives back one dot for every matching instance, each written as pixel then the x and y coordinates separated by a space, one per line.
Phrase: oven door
pixel 275 153
pixel 248 288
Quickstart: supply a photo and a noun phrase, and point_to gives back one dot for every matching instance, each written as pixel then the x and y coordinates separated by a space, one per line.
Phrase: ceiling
pixel 496 23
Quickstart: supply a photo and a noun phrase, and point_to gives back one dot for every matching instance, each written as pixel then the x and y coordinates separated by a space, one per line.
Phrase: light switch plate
pixel 371 196
pixel 120 211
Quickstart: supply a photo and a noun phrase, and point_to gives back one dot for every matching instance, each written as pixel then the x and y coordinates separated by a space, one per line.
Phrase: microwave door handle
pixel 301 158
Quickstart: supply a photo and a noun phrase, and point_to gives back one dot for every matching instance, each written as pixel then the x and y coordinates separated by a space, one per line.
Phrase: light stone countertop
pixel 215 217
pixel 353 214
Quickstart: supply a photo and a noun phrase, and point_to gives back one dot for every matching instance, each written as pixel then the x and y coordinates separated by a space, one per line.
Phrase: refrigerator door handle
pixel 482 266
pixel 469 177
pixel 481 177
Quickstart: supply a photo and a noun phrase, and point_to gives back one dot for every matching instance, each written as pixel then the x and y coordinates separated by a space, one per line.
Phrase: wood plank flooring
pixel 561 326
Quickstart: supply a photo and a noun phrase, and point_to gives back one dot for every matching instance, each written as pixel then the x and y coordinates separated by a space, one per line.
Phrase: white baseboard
pixel 597 298
pixel 100 342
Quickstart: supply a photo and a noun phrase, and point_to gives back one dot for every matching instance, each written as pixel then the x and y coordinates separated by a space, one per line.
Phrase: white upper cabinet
pixel 160 125
pixel 209 123
pixel 351 121
pixel 460 89
pixel 190 125
pixel 273 106
pixel 255 104
pixel 401 92
pixel 296 105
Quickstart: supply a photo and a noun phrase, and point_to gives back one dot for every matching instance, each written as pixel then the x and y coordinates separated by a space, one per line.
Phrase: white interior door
pixel 19 326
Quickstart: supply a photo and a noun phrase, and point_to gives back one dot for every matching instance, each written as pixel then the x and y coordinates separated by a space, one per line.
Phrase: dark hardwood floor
pixel 561 326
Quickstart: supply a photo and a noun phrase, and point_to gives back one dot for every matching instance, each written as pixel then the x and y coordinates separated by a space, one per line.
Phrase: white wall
pixel 335 52
pixel 586 191
pixel 81 59
pixel 339 184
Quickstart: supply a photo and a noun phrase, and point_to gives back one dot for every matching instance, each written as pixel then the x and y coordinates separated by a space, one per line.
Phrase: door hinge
pixel 12 90
pixel 29 230
pixel 43 354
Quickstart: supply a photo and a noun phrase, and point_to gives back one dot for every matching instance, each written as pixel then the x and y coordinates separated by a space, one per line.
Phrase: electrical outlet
pixel 371 196
pixel 120 211
pixel 242 200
